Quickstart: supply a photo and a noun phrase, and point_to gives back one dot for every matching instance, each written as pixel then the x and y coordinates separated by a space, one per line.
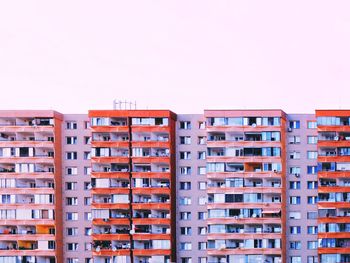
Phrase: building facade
pixel 152 186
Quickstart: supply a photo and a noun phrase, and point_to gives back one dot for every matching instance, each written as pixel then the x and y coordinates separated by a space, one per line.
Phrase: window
pixel 295 245
pixel 185 200
pixel 202 185
pixel 311 244
pixel 201 125
pixel 294 200
pixel 311 200
pixel 202 200
pixel 87 140
pixel 87 216
pixel 202 230
pixel 87 231
pixel 312 139
pixel 71 185
pixel 185 185
pixel 87 155
pixel 72 246
pixel 71 216
pixel 202 170
pixel 295 259
pixel 71 140
pixel 185 125
pixel 87 200
pixel 202 260
pixel 311 184
pixel 311 124
pixel 294 170
pixel 72 260
pixel 185 139
pixel 71 170
pixel 295 230
pixel 312 170
pixel 87 170
pixel 72 231
pixel 72 201
pixel 202 245
pixel 87 246
pixel 294 155
pixel 186 231
pixel 185 155
pixel 312 230
pixel 87 185
pixel 294 124
pixel 294 215
pixel 86 125
pixel 185 246
pixel 294 139
pixel 202 215
pixel 312 259
pixel 185 216
pixel 185 170
pixel 201 140
pixel 312 215
pixel 71 125
pixel 294 185
pixel 311 155
pixel 71 155
pixel 201 155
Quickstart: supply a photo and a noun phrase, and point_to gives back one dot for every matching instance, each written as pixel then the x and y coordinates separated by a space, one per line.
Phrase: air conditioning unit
pixel 289 130
pixel 114 248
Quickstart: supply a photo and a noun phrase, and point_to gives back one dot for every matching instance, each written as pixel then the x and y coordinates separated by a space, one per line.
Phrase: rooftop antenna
pixel 124 105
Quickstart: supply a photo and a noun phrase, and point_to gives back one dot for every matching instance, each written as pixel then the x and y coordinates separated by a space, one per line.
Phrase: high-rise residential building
pixel 133 186
pixel 30 174
pixel 334 185
pixel 151 186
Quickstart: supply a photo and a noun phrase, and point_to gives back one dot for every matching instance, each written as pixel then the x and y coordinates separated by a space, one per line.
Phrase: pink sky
pixel 184 55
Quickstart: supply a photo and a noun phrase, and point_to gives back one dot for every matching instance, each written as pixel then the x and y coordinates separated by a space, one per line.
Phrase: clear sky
pixel 183 55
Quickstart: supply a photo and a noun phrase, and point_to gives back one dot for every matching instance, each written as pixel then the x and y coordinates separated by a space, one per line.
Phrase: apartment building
pixel 150 186
pixel 76 186
pixel 191 186
pixel 30 174
pixel 334 189
pixel 302 183
pixel 133 186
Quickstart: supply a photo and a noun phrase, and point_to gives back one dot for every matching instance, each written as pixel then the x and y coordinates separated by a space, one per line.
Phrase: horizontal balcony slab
pixel 118 237
pixel 123 129
pixel 110 144
pixel 151 206
pixel 26 237
pixel 139 236
pixel 116 175
pixel 27 252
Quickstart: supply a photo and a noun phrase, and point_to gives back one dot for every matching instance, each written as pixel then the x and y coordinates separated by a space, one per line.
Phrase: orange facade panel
pixel 151 190
pixel 26 237
pixel 150 206
pixel 119 237
pixel 110 191
pixel 152 175
pixel 110 206
pixel 26 252
pixel 111 221
pixel 122 129
pixel 116 175
pixel 151 159
pixel 110 252
pixel 111 144
pixel 151 221
pixel 112 159
pixel 140 236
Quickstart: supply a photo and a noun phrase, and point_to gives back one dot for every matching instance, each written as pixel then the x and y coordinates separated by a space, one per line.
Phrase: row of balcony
pixel 124 137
